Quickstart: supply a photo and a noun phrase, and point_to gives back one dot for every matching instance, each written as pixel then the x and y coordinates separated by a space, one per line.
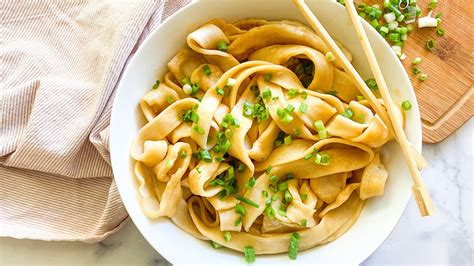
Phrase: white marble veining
pixel 446 238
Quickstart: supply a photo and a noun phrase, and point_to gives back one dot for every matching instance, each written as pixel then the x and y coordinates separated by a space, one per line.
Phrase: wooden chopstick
pixel 350 70
pixel 419 190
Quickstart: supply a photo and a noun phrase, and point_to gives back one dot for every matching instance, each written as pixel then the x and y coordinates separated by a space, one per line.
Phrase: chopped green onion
pixel 267 77
pixel 270 212
pixel 416 70
pixel 183 154
pixel 294 246
pixel 372 84
pixel 219 91
pixel 241 168
pixel 198 129
pixel 304 95
pixel 207 70
pixel 304 196
pixel 394 37
pixel 423 77
pixel 268 170
pixel 439 15
pixel 303 107
pixel 416 60
pixel 222 46
pixel 308 156
pixel 321 129
pixel 440 31
pixel 266 94
pixel 205 155
pixel 249 253
pixel 273 188
pixel 432 4
pixel 330 57
pixel 360 98
pixel 239 209
pixel 304 222
pixel 238 221
pixel 247 201
pixel 282 212
pixel 383 31
pixel 251 183
pixel 227 236
pixel 274 197
pixel 156 85
pixel 273 178
pixel 287 119
pixel 348 113
pixel 194 88
pixel 185 80
pixel 216 245
pixel 170 99
pixel 287 196
pixel 293 92
pixel 430 45
pixel 406 105
pixel 264 193
pixel 288 139
pixel 282 186
pixel 289 109
pixel 375 23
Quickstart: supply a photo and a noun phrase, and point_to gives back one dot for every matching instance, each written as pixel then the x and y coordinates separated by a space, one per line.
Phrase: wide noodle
pixel 254 134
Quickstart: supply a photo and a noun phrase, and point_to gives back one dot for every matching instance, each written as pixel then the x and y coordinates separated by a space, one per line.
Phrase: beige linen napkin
pixel 60 62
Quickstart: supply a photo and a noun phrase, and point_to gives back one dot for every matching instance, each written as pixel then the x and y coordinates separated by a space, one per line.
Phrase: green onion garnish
pixel 304 222
pixel 249 253
pixel 273 178
pixel 304 95
pixel 227 236
pixel 222 46
pixel 287 119
pixel 406 105
pixel 238 221
pixel 372 84
pixel 264 193
pixel 430 45
pixel 288 139
pixel 251 183
pixel 303 107
pixel 241 168
pixel 308 156
pixel 360 98
pixel 205 155
pixel 423 77
pixel 183 154
pixel 156 85
pixel 267 77
pixel 283 186
pixel 432 4
pixel 287 196
pixel 266 94
pixel 282 212
pixel 348 113
pixel 247 201
pixel 330 57
pixel 416 60
pixel 440 31
pixel 293 92
pixel 219 91
pixel 294 246
pixel 304 196
pixel 216 245
pixel 268 170
pixel 185 80
pixel 240 210
pixel 289 108
pixel 270 212
pixel 170 99
pixel 416 70
pixel 198 129
pixel 321 129
pixel 207 70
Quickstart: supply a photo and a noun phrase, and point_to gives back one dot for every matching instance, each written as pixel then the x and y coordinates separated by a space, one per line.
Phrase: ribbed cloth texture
pixel 60 62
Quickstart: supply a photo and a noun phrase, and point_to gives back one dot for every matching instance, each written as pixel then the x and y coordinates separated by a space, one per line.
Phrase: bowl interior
pixel 378 217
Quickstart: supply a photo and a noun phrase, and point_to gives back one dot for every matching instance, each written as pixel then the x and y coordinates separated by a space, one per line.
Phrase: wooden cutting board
pixel 446 98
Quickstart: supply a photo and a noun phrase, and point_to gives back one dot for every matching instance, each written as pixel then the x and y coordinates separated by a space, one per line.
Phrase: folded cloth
pixel 60 62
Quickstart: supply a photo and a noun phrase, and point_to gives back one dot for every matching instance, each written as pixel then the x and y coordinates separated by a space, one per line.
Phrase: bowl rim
pixel 114 114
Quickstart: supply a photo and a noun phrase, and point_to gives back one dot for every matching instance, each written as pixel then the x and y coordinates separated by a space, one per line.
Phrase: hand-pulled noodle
pixel 253 135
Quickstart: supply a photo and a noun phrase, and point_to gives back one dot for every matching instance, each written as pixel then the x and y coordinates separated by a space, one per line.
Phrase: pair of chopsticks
pixel 413 159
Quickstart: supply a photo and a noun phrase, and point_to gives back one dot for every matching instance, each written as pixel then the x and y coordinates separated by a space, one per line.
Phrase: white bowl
pixel 379 216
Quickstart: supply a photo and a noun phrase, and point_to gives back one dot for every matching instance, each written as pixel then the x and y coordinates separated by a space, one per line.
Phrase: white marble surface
pixel 446 238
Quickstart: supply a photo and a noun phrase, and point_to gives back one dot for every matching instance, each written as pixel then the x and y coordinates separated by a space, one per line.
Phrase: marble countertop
pixel 446 238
